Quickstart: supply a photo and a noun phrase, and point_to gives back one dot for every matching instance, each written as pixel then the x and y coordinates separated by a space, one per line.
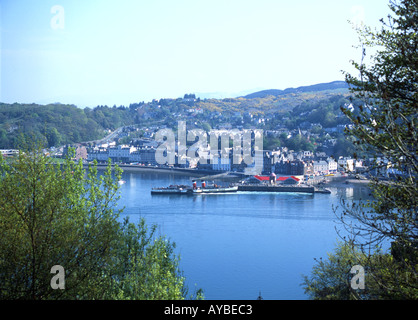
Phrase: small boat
pixel 121 182
pixel 173 189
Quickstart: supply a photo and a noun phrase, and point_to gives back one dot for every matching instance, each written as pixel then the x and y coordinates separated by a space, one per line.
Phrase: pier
pixel 268 188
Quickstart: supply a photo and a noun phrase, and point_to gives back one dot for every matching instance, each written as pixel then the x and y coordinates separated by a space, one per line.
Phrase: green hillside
pixel 269 104
pixel 59 124
pixel 56 124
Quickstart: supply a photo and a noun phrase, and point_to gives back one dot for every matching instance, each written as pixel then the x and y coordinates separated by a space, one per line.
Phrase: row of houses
pixel 287 162
pixel 124 154
pixel 313 167
pixel 281 161
pixel 272 179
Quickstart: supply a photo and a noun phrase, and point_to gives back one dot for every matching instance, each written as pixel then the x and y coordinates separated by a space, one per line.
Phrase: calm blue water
pixel 236 245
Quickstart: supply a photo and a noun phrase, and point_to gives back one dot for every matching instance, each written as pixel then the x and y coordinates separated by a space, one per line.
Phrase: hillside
pixel 335 85
pixel 276 101
pixel 56 124
pixel 59 124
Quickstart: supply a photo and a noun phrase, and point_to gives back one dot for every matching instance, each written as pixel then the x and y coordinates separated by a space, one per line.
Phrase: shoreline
pixel 212 174
pixel 347 182
pixel 177 171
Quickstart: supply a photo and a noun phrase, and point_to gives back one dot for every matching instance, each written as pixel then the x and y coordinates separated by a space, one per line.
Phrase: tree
pixel 53 137
pixel 64 215
pixel 384 127
pixel 333 278
pixel 4 141
pixel 343 147
pixel 299 142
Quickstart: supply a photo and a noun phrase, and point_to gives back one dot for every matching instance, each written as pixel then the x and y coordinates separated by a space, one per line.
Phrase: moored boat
pixel 173 189
pixel 184 189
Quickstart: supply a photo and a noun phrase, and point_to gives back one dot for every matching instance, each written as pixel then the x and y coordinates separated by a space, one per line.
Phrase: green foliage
pixel 58 124
pixel 52 214
pixel 325 112
pixel 271 143
pixel 384 127
pixel 344 146
pixel 275 104
pixel 331 278
pixel 299 143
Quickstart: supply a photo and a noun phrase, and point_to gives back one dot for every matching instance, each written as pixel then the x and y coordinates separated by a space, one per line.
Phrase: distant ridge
pixel 316 87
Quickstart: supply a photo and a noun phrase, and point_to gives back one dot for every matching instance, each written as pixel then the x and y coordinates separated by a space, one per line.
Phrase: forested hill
pixel 58 124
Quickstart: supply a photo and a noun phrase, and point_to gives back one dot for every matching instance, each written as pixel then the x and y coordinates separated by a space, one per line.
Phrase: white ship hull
pixel 216 190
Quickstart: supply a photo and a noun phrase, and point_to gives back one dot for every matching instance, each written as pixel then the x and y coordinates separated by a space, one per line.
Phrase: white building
pixel 332 165
pixel 99 154
pixel 320 167
pixel 135 156
pixel 121 153
pixel 346 163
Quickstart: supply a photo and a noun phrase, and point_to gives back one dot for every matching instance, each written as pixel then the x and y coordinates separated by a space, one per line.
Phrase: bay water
pixel 236 246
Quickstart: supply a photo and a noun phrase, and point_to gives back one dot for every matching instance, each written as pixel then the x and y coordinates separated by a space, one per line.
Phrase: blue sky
pixel 109 52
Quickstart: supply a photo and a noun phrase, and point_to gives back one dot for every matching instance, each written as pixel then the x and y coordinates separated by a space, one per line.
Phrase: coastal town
pixel 308 142
pixel 281 161
pixel 300 134
pixel 208 155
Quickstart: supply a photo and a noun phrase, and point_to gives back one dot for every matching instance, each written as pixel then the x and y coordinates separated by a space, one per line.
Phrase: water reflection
pixel 351 193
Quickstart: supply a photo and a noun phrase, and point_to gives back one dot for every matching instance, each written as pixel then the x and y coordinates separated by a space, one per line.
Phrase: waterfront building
pixel 123 154
pixel 332 165
pixel 98 153
pixel 320 167
pixel 120 153
pixel 292 180
pixel 345 163
pixel 81 153
pixel 145 156
pixel 294 167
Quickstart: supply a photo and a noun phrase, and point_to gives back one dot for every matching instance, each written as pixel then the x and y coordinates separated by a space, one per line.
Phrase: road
pixel 110 137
